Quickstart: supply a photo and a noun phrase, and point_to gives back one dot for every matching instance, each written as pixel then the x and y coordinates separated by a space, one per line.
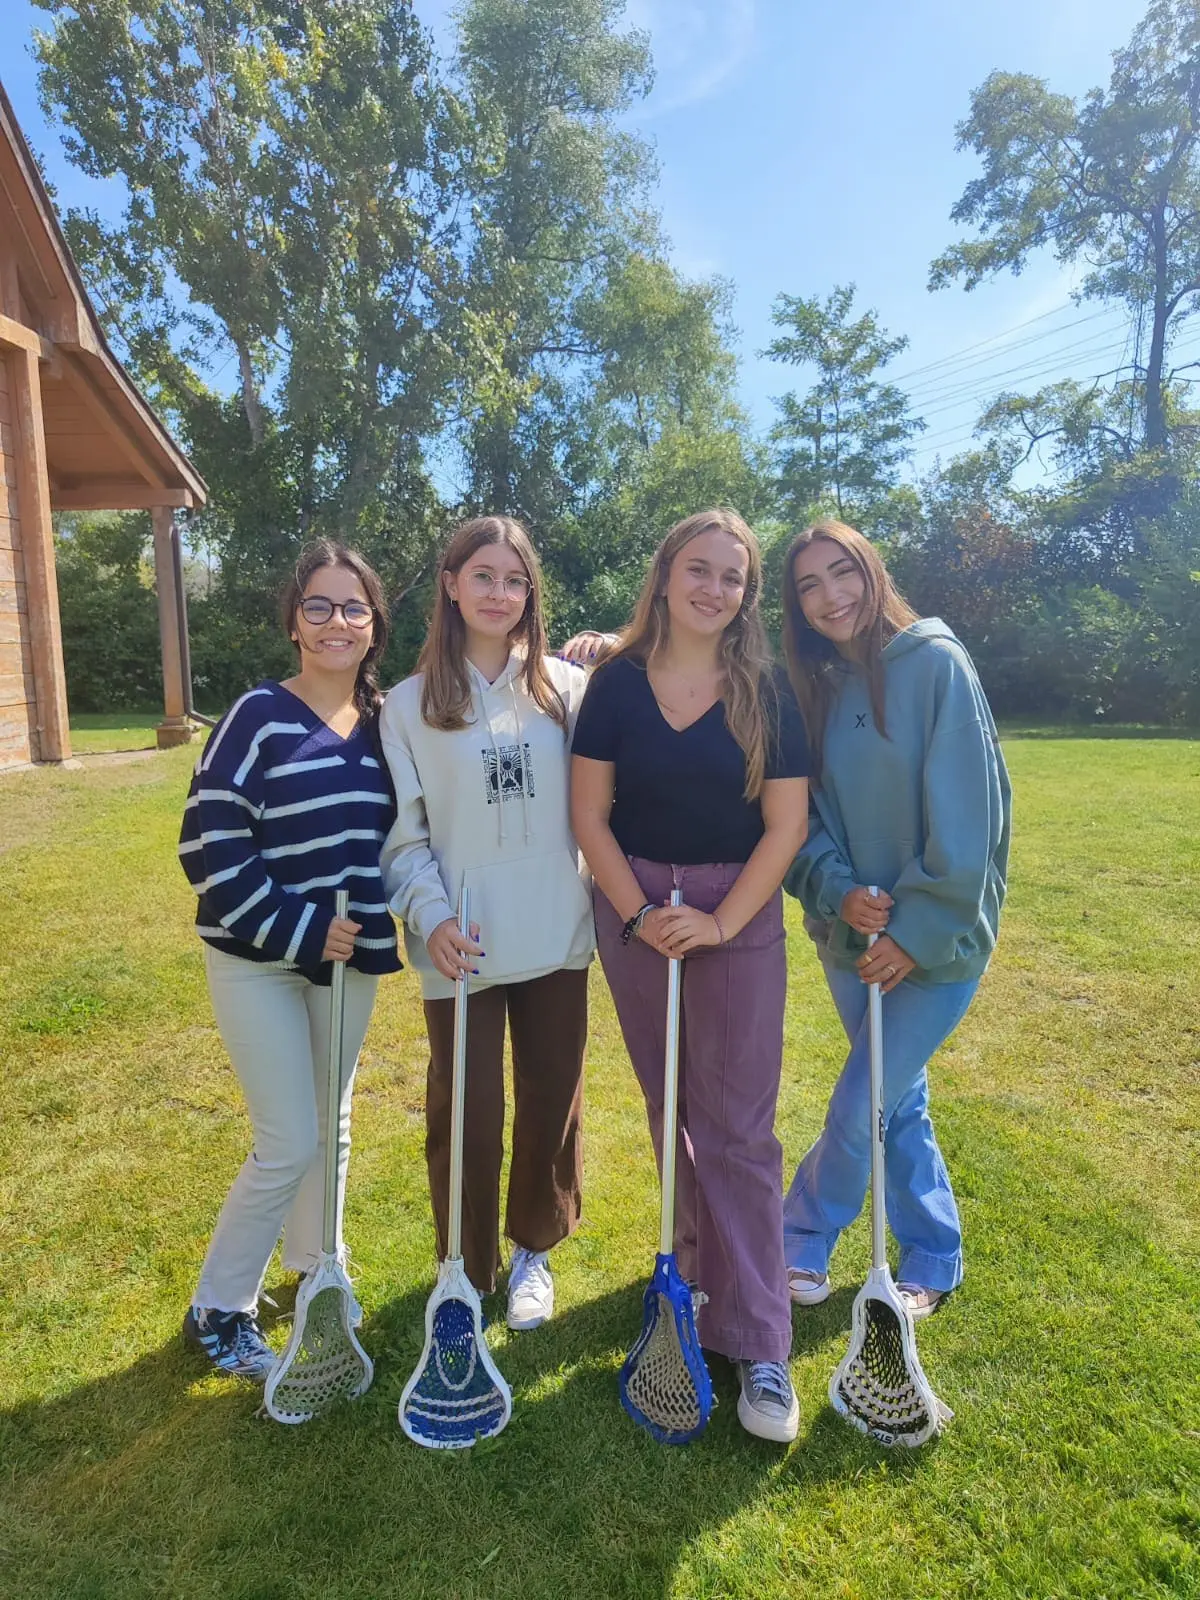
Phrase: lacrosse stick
pixel 456 1396
pixel 880 1387
pixel 323 1361
pixel 665 1384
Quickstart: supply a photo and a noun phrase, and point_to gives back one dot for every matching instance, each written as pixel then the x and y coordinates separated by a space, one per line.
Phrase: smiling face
pixel 491 589
pixel 831 588
pixel 706 582
pixel 334 645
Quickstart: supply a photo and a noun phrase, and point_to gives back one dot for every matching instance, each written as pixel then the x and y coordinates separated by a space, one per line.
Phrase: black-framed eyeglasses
pixel 317 610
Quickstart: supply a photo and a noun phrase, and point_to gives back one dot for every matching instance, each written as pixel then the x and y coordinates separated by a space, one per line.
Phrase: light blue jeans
pixel 830 1185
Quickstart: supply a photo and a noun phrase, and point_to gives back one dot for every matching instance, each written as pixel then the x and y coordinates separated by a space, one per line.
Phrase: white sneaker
pixel 767 1405
pixel 921 1302
pixel 807 1288
pixel 530 1289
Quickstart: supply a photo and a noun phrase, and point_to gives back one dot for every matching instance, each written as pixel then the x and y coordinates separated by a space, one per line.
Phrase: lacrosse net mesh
pixel 876 1388
pixel 665 1385
pixel 324 1365
pixel 455 1398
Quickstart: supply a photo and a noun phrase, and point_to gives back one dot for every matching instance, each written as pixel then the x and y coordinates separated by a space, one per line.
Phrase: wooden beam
pixel 114 496
pixel 175 727
pixel 37 551
pixel 100 404
pixel 15 335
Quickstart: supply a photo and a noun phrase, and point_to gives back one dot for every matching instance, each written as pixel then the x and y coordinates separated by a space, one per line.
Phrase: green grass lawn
pixel 1068 1106
pixel 95 732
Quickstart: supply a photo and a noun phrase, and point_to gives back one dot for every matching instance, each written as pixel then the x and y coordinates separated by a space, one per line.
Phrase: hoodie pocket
pixel 534 915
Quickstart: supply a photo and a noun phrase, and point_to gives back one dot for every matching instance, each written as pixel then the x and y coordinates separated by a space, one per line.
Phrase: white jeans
pixel 275 1026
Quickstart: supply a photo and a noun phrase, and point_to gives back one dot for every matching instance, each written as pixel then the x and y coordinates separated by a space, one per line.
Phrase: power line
pixel 1031 373
pixel 995 338
pixel 1001 354
pixel 1077 349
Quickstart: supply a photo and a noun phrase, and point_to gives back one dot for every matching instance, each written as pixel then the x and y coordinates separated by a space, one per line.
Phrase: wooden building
pixel 75 435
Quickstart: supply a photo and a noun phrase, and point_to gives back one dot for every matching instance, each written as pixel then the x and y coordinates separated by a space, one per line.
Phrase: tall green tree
pixel 1112 181
pixel 295 167
pixel 559 204
pixel 841 442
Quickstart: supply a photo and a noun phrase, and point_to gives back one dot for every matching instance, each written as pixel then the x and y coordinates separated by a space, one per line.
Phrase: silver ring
pixel 891 972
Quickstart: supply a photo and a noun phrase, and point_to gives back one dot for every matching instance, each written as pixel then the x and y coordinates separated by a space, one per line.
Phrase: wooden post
pixel 175 727
pixel 41 576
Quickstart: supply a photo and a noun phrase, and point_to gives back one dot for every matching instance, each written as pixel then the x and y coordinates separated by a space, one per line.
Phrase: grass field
pixel 1068 1106
pixel 96 732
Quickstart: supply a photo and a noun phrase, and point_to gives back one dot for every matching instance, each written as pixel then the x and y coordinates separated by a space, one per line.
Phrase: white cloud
pixel 698 45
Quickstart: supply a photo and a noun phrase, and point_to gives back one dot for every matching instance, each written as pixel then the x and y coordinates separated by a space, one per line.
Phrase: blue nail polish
pixel 475 971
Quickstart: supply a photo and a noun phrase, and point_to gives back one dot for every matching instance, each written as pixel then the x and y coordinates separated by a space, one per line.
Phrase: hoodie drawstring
pixel 523 759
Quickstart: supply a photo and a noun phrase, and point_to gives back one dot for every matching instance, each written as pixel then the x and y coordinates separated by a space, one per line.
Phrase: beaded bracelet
pixel 720 929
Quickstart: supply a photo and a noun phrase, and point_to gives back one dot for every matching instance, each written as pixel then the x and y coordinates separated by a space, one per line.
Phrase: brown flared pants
pixel 547 1020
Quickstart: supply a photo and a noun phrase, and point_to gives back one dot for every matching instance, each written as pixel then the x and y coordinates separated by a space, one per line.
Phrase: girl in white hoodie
pixel 478 742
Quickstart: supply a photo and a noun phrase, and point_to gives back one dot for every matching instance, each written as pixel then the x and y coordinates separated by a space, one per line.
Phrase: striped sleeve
pixel 220 848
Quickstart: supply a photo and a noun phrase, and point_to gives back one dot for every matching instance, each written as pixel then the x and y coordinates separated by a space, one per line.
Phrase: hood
pixel 481 687
pixel 918 633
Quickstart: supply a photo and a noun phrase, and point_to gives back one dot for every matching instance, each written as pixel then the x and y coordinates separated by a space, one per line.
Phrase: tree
pixel 295 167
pixel 558 206
pixel 1114 182
pixel 842 442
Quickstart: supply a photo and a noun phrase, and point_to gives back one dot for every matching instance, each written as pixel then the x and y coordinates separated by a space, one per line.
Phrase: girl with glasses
pixel 910 795
pixel 477 742
pixel 290 802
pixel 689 772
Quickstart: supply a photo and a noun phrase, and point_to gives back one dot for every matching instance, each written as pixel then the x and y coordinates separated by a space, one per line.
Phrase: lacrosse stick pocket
pixel 456 1396
pixel 323 1362
pixel 880 1386
pixel 665 1384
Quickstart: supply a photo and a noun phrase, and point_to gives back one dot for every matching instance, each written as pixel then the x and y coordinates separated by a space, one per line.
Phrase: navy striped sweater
pixel 281 813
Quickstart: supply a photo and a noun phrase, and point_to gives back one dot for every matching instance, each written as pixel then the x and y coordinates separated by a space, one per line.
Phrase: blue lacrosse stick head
pixel 665 1383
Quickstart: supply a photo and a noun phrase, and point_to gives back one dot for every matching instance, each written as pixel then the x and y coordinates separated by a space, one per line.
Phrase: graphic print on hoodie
pixel 507 772
pixel 488 805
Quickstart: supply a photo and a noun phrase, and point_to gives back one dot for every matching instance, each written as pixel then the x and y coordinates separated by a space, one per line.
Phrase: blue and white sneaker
pixel 232 1341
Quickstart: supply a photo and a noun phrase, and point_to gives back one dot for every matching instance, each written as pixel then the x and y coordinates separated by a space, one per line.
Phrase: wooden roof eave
pixel 73 342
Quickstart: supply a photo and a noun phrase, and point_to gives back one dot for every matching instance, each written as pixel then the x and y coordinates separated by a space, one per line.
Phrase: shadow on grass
pixel 156 1480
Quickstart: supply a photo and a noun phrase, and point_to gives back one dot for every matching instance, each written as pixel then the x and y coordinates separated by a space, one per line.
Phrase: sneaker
pixel 530 1289
pixel 807 1288
pixel 920 1302
pixel 232 1341
pixel 767 1405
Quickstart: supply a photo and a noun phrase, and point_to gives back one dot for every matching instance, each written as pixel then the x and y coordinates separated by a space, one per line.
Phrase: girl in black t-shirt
pixel 689 771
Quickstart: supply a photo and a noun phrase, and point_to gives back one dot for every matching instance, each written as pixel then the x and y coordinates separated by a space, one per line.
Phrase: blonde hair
pixel 743 652
pixel 812 659
pixel 446 691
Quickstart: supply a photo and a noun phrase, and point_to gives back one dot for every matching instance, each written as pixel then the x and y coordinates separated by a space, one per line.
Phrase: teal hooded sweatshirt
pixel 924 813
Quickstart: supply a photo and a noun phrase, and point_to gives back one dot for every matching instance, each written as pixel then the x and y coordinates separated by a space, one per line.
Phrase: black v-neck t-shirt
pixel 678 794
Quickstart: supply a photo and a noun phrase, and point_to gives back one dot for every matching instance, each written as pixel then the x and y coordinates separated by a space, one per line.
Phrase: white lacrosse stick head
pixel 323 1361
pixel 880 1387
pixel 456 1395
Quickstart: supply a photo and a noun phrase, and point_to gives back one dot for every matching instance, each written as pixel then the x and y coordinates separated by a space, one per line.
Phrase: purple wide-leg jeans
pixel 729 1184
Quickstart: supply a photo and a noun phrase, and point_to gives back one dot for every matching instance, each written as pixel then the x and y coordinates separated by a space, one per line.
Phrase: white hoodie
pixel 488 805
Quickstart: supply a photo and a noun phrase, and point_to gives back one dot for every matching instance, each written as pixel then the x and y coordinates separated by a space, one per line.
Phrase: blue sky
pixel 803 145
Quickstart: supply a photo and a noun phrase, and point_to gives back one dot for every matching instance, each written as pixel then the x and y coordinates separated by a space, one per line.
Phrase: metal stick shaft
pixel 670 1122
pixel 875 1039
pixel 333 1104
pixel 458 1095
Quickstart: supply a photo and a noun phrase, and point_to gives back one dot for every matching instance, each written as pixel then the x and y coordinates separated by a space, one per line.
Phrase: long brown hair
pixel 812 659
pixel 446 691
pixel 743 653
pixel 328 553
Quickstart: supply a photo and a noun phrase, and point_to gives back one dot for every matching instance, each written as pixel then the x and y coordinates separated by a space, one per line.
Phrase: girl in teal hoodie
pixel 909 794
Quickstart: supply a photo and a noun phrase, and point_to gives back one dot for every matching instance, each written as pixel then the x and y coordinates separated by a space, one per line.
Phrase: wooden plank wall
pixel 18 708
